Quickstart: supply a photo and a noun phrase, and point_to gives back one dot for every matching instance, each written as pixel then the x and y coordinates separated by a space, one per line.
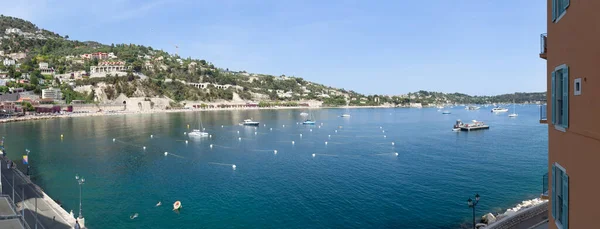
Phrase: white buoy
pixel 393 143
pixel 329 136
pixel 283 125
pixel 381 127
pixel 240 138
pixel 297 123
pixel 255 133
pixel 211 145
pixel 186 141
pixel 264 124
pixel 210 136
pixel 233 167
pixel 238 132
pixel 166 153
pixel 184 133
pixel 383 131
pixel 203 129
pixel 274 151
pixel 61 136
pixel 396 154
pixel 293 142
pixel 384 136
pixel 336 131
pixel 314 155
pixel 114 140
pixel 300 135
pixel 151 136
pixel 325 143
pixel 321 124
pixel 144 148
pixel 319 127
pixel 221 126
pixel 271 129
pixel 310 130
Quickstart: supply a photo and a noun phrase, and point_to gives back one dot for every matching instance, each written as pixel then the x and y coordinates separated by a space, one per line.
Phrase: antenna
pixel 176 50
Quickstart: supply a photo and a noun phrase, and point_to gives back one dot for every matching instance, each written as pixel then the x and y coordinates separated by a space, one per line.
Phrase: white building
pixel 107 67
pixel 45 70
pixel 13 30
pixel 112 56
pixel 51 93
pixel 9 62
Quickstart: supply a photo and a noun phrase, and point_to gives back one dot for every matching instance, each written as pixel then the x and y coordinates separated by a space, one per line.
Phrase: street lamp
pixel 472 205
pixel 27 150
pixel 80 180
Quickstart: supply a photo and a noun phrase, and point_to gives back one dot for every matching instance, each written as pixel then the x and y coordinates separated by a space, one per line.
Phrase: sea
pixel 378 168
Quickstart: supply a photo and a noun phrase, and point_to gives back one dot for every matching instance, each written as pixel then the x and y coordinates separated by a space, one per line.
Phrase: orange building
pixel 572 52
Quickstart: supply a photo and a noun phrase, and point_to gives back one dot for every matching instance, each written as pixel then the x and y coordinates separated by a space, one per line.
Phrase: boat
pixel 303 114
pixel 446 112
pixel 455 129
pixel 499 109
pixel 309 121
pixel 472 108
pixel 475 125
pixel 345 115
pixel 514 114
pixel 249 122
pixel 197 132
pixel 176 205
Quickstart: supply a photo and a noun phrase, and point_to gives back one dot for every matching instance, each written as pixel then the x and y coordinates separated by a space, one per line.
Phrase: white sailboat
pixel 514 114
pixel 197 132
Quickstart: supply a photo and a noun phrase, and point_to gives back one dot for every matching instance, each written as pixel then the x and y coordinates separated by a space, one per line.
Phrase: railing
pixel 543 118
pixel 543 49
pixel 545 185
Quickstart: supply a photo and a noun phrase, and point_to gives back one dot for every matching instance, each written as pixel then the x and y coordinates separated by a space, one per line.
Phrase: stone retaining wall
pixel 523 215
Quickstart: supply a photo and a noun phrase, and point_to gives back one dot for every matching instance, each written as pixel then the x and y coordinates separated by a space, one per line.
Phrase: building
pixel 44 69
pixel 8 62
pixel 571 51
pixel 96 55
pixel 51 93
pixel 13 30
pixel 112 56
pixel 109 66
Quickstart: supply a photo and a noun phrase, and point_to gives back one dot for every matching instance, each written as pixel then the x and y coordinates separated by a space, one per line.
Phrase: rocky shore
pixel 490 220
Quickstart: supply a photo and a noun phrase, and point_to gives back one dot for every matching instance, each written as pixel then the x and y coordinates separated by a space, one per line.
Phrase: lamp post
pixel 80 180
pixel 472 205
pixel 27 150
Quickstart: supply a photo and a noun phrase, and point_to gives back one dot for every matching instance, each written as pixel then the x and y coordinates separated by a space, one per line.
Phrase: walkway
pixel 49 214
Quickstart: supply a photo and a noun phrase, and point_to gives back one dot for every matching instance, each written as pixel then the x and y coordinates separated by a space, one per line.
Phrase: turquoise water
pixel 355 181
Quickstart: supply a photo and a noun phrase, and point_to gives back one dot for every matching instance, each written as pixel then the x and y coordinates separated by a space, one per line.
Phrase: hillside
pixel 39 59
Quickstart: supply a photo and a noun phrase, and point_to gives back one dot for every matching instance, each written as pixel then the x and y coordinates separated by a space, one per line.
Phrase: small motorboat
pixel 303 114
pixel 345 115
pixel 176 205
pixel 513 115
pixel 249 122
pixel 455 129
pixel 446 112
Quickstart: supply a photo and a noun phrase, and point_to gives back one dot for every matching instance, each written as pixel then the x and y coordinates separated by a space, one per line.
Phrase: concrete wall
pixel 574 40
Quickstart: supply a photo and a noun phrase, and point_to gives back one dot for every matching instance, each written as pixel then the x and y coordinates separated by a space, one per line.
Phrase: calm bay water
pixel 355 181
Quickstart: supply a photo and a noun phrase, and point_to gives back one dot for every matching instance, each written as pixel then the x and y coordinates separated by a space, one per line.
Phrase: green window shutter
pixel 565 4
pixel 565 97
pixel 565 194
pixel 554 192
pixel 553 100
pixel 553 10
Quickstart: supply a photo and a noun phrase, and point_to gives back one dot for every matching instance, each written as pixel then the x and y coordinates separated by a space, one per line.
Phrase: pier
pixel 30 203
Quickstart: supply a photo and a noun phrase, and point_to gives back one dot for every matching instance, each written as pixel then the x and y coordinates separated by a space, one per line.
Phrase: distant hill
pixel 156 73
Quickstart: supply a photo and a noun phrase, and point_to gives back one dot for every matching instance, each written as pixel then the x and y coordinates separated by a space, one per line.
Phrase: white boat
pixel 249 122
pixel 345 115
pixel 456 129
pixel 197 132
pixel 514 114
pixel 303 114
pixel 499 109
pixel 446 112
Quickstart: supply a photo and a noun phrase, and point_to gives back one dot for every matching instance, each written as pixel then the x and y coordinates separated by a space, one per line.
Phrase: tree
pixel 66 36
pixel 34 79
pixel 137 66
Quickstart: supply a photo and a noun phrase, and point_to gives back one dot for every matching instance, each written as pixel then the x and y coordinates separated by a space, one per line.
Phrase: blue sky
pixel 374 47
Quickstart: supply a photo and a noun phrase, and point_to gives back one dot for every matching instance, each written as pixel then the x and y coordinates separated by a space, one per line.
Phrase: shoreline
pixel 75 115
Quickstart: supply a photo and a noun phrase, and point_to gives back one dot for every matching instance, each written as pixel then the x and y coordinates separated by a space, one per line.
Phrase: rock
pixel 489 218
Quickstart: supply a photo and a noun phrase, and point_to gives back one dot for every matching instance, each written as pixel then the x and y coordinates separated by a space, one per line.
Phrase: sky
pixel 478 47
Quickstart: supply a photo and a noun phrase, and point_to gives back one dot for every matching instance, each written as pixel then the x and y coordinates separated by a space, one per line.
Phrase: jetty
pixel 27 204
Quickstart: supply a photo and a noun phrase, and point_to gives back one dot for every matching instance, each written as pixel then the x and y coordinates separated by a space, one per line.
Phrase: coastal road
pixel 49 214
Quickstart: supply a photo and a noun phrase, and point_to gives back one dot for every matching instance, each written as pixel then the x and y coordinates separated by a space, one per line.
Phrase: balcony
pixel 543 49
pixel 544 195
pixel 543 114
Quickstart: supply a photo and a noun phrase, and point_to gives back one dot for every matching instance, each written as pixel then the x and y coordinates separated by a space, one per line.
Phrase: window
pixel 560 97
pixel 559 8
pixel 560 196
pixel 577 87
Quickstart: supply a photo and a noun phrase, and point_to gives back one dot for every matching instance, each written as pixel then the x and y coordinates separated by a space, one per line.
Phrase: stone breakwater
pixel 523 211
